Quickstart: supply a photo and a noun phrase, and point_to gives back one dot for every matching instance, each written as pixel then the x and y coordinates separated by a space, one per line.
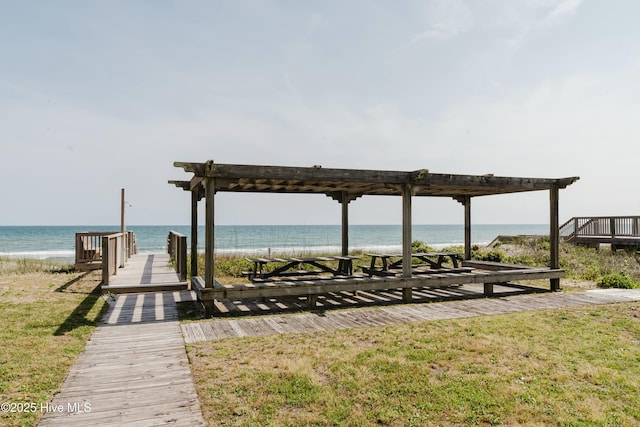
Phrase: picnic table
pixel 292 266
pixel 390 262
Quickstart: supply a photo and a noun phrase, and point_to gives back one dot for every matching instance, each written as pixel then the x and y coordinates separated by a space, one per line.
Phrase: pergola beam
pixel 345 185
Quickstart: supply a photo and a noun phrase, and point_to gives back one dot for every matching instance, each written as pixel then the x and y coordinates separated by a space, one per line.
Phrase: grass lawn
pixel 46 317
pixel 577 367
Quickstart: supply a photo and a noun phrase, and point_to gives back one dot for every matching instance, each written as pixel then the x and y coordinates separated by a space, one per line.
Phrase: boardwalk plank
pixel 134 370
pixel 381 316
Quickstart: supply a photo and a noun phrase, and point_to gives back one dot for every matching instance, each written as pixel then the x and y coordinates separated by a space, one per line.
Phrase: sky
pixel 96 96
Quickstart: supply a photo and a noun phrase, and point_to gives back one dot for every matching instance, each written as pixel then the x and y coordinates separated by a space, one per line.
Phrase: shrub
pixel 591 273
pixel 616 280
pixel 493 255
pixel 420 246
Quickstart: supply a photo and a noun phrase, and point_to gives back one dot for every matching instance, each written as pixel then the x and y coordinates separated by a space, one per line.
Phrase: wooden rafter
pixel 359 182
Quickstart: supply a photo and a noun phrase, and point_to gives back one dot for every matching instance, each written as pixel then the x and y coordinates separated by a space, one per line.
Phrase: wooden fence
pixel 177 249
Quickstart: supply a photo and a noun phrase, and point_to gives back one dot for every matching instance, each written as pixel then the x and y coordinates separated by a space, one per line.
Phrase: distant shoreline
pixel 58 242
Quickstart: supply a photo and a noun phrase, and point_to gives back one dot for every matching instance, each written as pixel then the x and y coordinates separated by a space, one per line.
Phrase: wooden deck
pixel 380 316
pixel 145 273
pixel 487 274
pixel 134 370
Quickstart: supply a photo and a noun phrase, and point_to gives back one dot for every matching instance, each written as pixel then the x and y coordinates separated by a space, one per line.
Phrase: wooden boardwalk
pixel 145 273
pixel 380 316
pixel 134 370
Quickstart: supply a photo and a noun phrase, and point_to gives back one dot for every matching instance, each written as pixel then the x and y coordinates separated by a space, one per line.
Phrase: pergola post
pixel 344 202
pixel 467 227
pixel 407 293
pixel 194 232
pixel 554 234
pixel 210 192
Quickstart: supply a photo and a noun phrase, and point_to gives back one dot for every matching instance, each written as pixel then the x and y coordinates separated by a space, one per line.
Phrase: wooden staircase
pixel 618 231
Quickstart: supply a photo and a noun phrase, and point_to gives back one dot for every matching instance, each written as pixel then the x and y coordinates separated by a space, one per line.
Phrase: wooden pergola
pixel 346 185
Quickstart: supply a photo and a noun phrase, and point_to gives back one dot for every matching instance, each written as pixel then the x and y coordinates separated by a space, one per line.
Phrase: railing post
pixel 183 258
pixel 612 227
pixel 105 260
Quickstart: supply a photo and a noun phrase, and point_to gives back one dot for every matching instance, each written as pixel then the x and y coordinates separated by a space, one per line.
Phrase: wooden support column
pixel 311 301
pixel 210 192
pixel 554 234
pixel 194 232
pixel 345 223
pixel 407 293
pixel 488 289
pixel 467 228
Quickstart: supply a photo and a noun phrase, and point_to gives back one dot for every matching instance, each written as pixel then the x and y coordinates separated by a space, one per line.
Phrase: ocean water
pixel 57 242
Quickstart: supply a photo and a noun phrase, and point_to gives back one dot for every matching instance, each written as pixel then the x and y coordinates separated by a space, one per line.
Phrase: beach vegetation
pixel 616 280
pixel 418 246
pixel 494 255
pixel 47 314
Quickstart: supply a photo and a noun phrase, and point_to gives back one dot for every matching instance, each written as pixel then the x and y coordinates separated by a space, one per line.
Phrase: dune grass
pixel 47 313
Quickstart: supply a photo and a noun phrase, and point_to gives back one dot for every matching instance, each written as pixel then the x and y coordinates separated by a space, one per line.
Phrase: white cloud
pixel 562 9
pixel 446 19
pixel 536 18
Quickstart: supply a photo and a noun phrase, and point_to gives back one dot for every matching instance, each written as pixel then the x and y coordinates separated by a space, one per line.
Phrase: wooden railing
pixel 177 249
pixel 606 226
pixel 117 248
pixel 112 255
pixel 89 250
pixel 106 250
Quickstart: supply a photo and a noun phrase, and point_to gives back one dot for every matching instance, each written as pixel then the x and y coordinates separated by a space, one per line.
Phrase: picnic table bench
pixel 292 266
pixel 433 260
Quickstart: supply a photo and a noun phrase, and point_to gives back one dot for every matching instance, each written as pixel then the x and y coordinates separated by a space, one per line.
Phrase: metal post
pixel 122 227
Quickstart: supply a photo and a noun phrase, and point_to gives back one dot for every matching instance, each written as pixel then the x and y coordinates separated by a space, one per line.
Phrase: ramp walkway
pixel 134 370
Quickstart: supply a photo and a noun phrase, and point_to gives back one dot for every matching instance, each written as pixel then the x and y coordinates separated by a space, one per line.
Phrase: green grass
pixel 558 367
pixel 47 314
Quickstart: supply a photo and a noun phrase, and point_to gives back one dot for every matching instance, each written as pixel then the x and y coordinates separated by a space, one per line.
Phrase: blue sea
pixel 57 242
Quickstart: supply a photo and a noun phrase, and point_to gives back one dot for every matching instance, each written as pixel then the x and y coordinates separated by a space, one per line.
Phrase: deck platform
pixel 145 273
pixel 487 274
pixel 379 316
pixel 134 370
